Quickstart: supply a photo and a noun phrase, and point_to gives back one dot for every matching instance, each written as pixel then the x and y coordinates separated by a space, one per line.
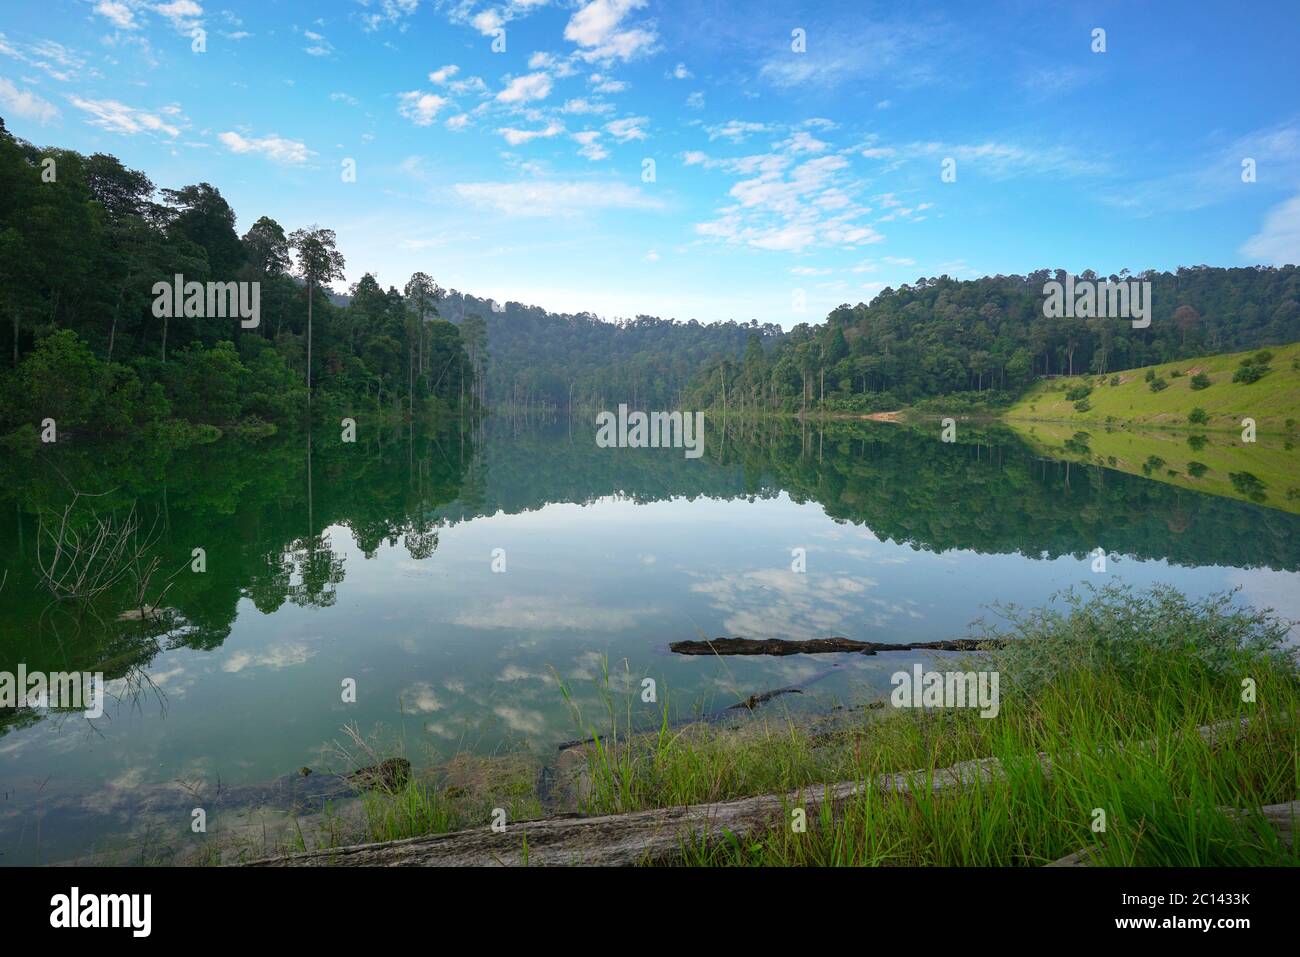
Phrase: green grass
pixel 1266 472
pixel 1271 401
pixel 1088 689
pixel 1110 684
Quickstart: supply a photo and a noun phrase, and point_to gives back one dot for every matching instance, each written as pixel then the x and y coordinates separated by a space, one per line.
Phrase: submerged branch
pixel 821 646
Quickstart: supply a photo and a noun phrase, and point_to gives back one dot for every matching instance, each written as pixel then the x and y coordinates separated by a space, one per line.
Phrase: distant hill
pixel 1161 396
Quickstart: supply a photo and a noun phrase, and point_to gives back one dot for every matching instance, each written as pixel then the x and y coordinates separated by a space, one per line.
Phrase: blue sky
pixel 784 182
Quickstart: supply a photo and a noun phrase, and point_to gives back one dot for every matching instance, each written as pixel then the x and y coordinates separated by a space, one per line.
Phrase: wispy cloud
pixel 555 197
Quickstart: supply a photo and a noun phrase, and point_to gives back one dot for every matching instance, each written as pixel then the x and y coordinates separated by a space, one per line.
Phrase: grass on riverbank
pixel 1164 396
pixel 1110 688
pixel 1086 689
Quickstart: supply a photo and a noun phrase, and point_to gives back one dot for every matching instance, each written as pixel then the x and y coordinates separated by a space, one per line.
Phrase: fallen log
pixel 659 835
pixel 641 837
pixel 820 646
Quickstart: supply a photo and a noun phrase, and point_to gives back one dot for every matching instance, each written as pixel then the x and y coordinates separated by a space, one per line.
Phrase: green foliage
pixel 1199 381
pixel 1158 384
pixel 1081 391
pixel 79 258
pixel 1198 416
pixel 1250 371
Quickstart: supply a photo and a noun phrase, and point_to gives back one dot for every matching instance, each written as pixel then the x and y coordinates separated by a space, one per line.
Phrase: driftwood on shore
pixel 657 836
pixel 820 646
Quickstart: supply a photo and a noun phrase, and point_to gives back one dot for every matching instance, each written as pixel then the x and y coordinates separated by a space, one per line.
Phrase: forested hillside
pixel 990 337
pixel 84 240
pixel 539 356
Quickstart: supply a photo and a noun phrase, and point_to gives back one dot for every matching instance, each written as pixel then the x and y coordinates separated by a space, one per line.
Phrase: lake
pixel 456 578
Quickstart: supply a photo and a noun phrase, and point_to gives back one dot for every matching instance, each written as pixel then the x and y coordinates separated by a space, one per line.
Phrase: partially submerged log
pixel 820 646
pixel 642 837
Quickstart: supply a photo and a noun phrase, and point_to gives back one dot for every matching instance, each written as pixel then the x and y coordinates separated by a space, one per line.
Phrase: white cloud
pixel 458 122
pixel 184 15
pixel 1278 240
pixel 604 84
pixel 695 101
pixel 25 103
pixel 585 106
pixel 517 137
pixel 420 107
pixel 679 72
pixel 525 89
pixel 555 197
pixel 487 21
pixel 117 117
pixel 443 74
pixel 598 28
pixel 734 130
pixel 627 129
pixel 590 142
pixel 273 147
pixel 117 13
pixel 53 58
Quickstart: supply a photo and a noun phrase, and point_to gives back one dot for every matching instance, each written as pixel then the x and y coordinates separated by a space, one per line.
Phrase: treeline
pixel 541 358
pixel 987 339
pixel 84 240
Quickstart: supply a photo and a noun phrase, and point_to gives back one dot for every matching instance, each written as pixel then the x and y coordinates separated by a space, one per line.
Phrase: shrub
pixel 1114 380
pixel 1150 376
pixel 1249 372
pixel 1156 385
pixel 1198 416
pixel 1083 405
pixel 1197 469
pixel 1078 392
pixel 1200 381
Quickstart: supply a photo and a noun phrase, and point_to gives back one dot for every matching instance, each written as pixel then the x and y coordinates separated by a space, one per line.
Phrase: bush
pixel 1198 416
pixel 1114 380
pixel 1199 381
pixel 1263 357
pixel 1078 392
pixel 1150 376
pixel 1157 385
pixel 1249 372
pixel 1083 405
pixel 1113 628
pixel 1197 469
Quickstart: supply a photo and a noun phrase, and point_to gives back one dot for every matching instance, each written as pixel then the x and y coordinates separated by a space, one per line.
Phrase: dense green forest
pixel 557 359
pixel 83 240
pixel 988 339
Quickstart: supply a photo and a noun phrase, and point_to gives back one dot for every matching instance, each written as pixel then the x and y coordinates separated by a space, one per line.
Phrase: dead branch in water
pixel 820 646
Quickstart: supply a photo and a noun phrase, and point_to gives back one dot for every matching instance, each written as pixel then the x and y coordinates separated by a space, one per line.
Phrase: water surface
pixel 374 561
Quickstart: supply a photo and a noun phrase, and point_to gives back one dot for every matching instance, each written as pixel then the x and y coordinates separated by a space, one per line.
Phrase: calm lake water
pixel 375 561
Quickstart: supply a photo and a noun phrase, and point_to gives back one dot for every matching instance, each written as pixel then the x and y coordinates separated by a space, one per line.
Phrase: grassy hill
pixel 1266 472
pixel 1127 398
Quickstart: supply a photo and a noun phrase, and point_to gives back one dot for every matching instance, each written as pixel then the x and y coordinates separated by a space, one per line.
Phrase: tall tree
pixel 319 263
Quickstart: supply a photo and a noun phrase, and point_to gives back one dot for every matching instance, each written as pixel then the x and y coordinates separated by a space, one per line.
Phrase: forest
pixel 986 340
pixel 83 240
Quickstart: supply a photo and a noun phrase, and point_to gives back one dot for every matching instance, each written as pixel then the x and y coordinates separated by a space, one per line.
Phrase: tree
pixel 202 215
pixel 319 263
